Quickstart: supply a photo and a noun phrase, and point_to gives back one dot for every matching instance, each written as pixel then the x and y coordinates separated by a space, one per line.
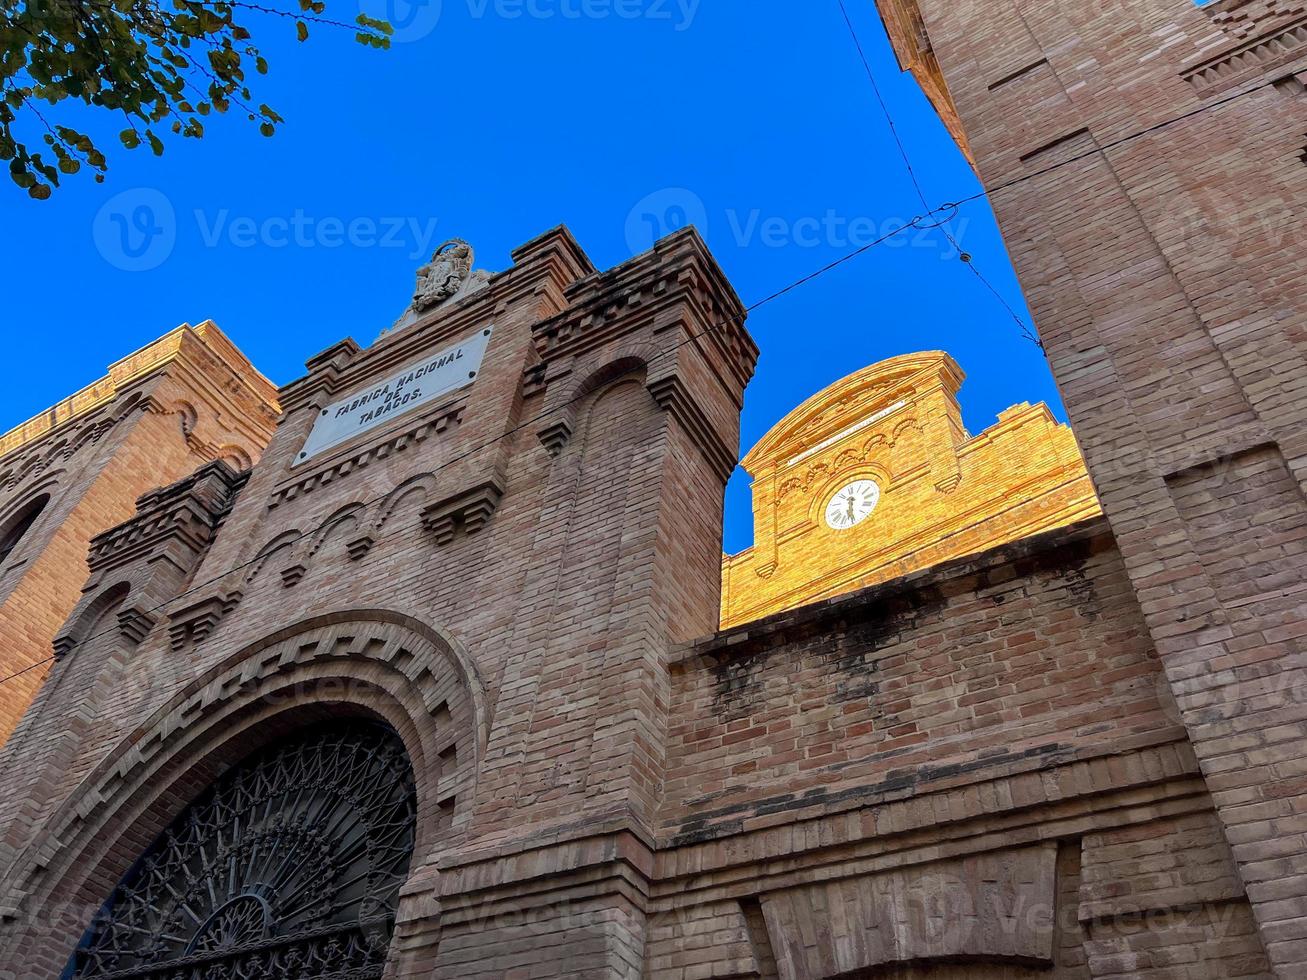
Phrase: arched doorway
pixel 289 865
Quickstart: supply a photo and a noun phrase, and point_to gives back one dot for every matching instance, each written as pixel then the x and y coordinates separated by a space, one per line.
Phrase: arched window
pixel 20 525
pixel 289 866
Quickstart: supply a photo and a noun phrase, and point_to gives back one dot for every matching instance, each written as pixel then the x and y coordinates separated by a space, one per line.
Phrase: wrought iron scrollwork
pixel 288 868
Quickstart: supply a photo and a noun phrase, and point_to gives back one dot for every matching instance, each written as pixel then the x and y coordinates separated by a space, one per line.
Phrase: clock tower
pixel 876 476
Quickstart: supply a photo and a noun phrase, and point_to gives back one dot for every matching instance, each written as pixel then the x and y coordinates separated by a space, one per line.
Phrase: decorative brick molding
pixel 468 511
pixel 442 420
pixel 1265 35
pixel 668 313
pixel 292 575
pixel 136 622
pixel 555 436
pixel 674 398
pixel 1246 19
pixel 193 623
pixel 898 425
pixel 359 546
pixel 185 515
pixel 142 562
pixel 413 677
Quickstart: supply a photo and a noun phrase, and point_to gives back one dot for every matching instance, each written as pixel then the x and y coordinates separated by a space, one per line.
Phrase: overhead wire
pixel 949 208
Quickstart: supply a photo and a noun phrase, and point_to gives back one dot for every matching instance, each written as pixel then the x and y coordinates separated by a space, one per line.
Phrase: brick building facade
pixel 440 691
pixel 77 468
pixel 876 476
pixel 1146 163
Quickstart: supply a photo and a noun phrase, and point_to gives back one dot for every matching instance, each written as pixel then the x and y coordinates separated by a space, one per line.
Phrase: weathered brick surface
pixel 963 772
pixel 1148 173
pixel 962 668
pixel 183 400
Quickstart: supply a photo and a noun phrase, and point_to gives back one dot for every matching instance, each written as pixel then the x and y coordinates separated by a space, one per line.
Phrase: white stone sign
pixel 421 383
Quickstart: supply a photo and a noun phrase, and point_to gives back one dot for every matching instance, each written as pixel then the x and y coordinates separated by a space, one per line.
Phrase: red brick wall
pixel 965 670
pixel 1146 161
pixel 95 489
pixel 960 773
pixel 171 406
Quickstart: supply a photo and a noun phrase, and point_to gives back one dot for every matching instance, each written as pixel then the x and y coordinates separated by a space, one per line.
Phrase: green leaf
pixel 143 62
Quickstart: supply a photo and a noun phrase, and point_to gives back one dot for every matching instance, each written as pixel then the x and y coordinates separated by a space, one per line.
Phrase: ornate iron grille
pixel 288 868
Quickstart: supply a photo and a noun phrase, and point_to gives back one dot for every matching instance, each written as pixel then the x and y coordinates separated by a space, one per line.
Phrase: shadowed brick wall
pixel 1146 161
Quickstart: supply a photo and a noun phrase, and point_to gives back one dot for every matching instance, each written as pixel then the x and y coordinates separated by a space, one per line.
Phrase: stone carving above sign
pixel 449 275
pixel 418 384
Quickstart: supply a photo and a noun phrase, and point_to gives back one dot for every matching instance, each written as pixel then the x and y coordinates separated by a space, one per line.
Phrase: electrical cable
pixel 967 258
pixel 534 420
pixel 947 208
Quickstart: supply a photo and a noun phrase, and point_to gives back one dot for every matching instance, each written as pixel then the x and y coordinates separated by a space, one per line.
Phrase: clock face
pixel 852 505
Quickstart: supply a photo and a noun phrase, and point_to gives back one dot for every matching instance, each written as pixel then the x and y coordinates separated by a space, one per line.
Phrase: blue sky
pixel 493 120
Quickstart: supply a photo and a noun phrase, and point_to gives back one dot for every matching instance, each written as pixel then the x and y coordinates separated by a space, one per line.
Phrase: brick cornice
pixel 188 511
pixel 1051 549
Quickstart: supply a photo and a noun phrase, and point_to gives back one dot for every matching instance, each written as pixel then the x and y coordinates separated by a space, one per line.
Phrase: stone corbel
pixel 134 622
pixel 469 511
pixel 555 437
pixel 194 623
pixel 293 575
